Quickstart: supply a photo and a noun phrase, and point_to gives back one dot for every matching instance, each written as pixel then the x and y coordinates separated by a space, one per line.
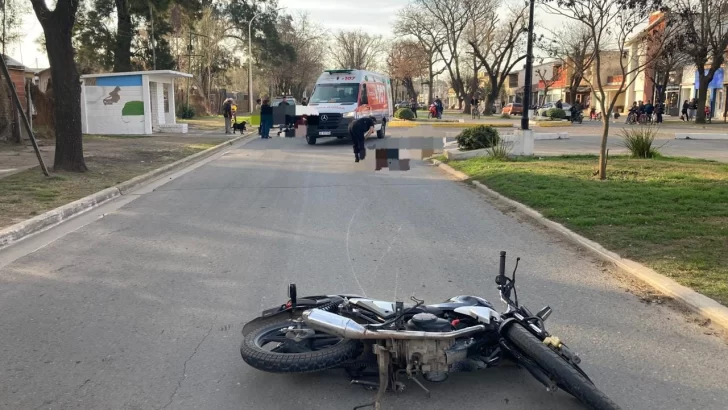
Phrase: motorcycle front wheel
pixel 269 349
pixel 569 378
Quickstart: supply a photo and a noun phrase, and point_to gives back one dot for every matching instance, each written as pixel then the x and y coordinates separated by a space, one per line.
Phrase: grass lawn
pixel 29 193
pixel 211 123
pixel 669 213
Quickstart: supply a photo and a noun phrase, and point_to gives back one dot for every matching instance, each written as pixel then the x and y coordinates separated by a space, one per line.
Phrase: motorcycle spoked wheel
pixel 268 349
pixel 568 378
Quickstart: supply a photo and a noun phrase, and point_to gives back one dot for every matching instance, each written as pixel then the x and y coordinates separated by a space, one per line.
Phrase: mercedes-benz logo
pixel 324 117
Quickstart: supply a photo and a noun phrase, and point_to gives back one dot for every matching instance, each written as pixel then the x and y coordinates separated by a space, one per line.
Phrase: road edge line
pixel 63 213
pixel 698 303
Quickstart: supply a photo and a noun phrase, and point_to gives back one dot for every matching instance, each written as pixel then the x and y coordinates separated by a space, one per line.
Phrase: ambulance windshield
pixel 335 93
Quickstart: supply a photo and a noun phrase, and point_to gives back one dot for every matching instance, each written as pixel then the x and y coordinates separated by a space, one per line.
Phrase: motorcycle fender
pixel 282 312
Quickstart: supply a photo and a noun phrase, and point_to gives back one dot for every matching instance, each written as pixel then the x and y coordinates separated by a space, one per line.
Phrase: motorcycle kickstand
pixel 385 377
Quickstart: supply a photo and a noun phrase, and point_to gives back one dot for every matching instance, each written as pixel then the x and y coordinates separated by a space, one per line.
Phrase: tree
pixel 573 47
pixel 357 50
pixel 12 12
pixel 413 22
pixel 308 44
pixel 451 19
pixel 613 34
pixel 502 48
pixel 58 29
pixel 702 34
pixel 94 37
pixel 407 62
pixel 548 80
pixel 667 59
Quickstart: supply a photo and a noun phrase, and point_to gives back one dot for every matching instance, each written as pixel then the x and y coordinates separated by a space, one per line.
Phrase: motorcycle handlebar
pixel 502 271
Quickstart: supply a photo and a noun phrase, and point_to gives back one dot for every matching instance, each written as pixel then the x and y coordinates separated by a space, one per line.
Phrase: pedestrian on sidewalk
pixel 684 111
pixel 660 110
pixel 266 119
pixel 227 112
pixel 359 130
pixel 693 109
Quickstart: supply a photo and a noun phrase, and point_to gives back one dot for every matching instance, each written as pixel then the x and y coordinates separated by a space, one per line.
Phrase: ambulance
pixel 341 96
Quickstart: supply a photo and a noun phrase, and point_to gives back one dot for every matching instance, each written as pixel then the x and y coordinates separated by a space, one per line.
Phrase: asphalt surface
pixel 143 308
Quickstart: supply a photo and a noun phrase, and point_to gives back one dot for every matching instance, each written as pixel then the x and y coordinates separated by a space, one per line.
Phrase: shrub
pixel 556 113
pixel 506 116
pixel 477 137
pixel 404 114
pixel 501 150
pixel 186 112
pixel 639 141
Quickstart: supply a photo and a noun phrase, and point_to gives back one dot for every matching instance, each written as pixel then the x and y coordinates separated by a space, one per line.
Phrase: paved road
pixel 142 309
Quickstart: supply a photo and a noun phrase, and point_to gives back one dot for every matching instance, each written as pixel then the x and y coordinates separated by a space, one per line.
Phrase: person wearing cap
pixel 359 130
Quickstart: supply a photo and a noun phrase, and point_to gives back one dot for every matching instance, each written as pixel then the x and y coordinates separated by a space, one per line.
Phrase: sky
pixel 372 16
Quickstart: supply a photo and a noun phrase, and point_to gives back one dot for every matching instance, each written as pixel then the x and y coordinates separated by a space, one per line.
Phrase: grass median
pixel 110 159
pixel 668 213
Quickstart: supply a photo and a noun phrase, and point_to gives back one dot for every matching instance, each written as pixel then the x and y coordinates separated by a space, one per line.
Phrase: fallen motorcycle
pixel 465 333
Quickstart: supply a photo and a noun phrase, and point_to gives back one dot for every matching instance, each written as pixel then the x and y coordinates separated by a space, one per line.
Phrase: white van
pixel 340 96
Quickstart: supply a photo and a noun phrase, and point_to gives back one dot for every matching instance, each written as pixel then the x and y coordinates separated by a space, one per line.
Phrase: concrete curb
pixel 56 216
pixel 698 303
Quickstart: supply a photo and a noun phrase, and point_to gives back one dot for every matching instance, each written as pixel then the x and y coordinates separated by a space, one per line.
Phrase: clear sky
pixel 372 16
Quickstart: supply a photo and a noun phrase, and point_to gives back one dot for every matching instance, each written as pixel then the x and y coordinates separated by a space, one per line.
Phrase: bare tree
pixel 573 47
pixel 451 19
pixel 357 50
pixel 613 27
pixel 549 78
pixel 413 22
pixel 502 48
pixel 406 62
pixel 308 40
pixel 703 35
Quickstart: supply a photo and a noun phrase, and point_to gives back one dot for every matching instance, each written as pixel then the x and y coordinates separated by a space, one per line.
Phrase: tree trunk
pixel 67 93
pixel 603 148
pixel 702 97
pixel 124 35
pixel 490 99
pixel 410 87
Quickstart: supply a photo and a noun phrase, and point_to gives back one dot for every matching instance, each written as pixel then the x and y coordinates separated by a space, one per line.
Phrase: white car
pixel 545 107
pixel 277 101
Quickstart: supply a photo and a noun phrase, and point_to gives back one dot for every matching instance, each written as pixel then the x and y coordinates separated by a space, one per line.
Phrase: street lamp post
pixel 529 68
pixel 250 58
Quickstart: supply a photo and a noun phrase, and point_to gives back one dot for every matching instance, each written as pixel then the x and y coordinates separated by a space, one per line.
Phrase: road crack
pixel 184 367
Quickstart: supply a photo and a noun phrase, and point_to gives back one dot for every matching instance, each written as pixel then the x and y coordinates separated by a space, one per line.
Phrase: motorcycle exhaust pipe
pixel 344 327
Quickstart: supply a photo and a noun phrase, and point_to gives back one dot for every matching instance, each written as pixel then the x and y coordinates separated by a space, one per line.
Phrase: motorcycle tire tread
pixel 577 385
pixel 295 362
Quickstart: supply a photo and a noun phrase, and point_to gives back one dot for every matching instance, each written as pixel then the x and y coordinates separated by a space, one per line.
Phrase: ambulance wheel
pixel 382 130
pixel 311 139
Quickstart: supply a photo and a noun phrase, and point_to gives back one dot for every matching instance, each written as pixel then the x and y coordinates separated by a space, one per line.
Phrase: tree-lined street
pixel 143 308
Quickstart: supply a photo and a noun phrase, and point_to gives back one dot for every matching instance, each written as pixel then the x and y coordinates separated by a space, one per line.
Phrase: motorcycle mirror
pixel 292 294
pixel 544 313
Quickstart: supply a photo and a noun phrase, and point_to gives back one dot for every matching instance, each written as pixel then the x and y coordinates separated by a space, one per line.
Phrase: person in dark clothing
pixel 413 106
pixel 440 107
pixel 684 111
pixel 559 105
pixel 304 102
pixel 227 112
pixel 649 110
pixel 659 110
pixel 266 119
pixel 359 130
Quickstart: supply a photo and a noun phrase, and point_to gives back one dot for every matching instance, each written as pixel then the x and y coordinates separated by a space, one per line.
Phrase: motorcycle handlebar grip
pixel 502 270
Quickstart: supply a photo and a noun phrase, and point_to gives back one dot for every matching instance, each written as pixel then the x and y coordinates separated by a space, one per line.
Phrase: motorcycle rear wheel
pixel 290 356
pixel 564 373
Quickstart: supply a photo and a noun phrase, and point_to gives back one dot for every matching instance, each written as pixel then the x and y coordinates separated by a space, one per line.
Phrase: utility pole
pixel 189 67
pixel 529 69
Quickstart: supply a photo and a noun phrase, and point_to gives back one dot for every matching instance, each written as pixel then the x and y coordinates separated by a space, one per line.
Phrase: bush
pixel 639 141
pixel 186 112
pixel 478 137
pixel 556 113
pixel 404 114
pixel 506 116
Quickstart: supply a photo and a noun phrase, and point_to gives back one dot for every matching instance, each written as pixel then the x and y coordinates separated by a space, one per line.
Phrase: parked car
pixel 277 101
pixel 513 109
pixel 545 107
pixel 402 104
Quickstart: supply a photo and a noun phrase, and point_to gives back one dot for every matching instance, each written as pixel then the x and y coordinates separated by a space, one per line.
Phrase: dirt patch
pixel 111 160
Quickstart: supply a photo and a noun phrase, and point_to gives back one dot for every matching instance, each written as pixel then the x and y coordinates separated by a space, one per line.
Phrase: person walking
pixel 266 119
pixel 693 109
pixel 440 107
pixel 659 111
pixel 359 130
pixel 227 112
pixel 684 111
pixel 413 106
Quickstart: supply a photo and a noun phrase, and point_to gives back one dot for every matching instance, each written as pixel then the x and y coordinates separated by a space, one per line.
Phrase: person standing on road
pixel 649 110
pixel 413 106
pixel 659 110
pixel 440 108
pixel 684 111
pixel 227 112
pixel 266 119
pixel 359 130
pixel 692 109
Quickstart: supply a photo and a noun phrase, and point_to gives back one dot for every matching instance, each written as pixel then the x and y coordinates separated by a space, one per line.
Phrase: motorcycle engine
pixel 427 322
pixel 430 357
